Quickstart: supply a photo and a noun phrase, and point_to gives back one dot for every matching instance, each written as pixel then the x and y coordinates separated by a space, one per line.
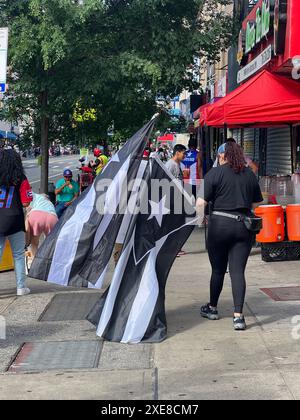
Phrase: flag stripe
pixel 137 305
pixel 44 268
pixel 113 290
pixel 67 242
pixel 96 262
pixel 112 199
pixel 144 303
pixel 132 202
pixel 100 281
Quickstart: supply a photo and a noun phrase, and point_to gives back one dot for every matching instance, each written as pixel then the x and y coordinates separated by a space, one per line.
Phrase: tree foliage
pixel 113 56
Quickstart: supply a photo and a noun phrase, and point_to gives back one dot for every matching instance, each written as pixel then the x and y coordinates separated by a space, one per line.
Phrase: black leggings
pixel 228 242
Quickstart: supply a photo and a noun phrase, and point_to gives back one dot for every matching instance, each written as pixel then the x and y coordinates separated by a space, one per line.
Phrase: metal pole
pixel 292 149
pixel 225 133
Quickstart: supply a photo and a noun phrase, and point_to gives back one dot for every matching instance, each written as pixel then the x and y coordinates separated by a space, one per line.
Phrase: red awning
pixel 265 100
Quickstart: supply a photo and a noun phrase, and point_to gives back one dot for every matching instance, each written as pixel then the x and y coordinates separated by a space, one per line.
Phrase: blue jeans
pixel 60 209
pixel 17 243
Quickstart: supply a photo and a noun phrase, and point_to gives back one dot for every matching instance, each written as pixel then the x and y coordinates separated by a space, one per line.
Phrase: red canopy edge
pixel 265 100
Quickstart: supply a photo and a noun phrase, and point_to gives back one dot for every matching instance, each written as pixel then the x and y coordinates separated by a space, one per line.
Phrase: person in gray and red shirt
pixel 15 194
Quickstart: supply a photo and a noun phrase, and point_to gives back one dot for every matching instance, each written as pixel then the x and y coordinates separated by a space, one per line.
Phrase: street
pixel 56 168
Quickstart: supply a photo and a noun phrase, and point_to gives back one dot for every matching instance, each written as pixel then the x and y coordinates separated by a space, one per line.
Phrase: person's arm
pixel 96 164
pixel 201 203
pixel 255 205
pixel 76 194
pixel 26 193
pixel 60 189
pixel 72 201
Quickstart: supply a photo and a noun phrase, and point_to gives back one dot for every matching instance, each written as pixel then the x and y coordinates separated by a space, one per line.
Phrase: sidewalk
pixel 51 352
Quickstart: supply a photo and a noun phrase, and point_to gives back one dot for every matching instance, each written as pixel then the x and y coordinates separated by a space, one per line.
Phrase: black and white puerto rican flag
pixel 78 250
pixel 132 309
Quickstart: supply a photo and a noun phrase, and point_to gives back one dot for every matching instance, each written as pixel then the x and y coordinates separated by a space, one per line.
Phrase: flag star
pixel 159 210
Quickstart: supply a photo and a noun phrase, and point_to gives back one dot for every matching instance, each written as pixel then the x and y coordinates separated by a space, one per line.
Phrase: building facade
pixel 268 40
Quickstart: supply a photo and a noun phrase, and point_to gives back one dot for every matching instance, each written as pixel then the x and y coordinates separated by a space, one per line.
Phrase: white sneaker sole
pixel 23 292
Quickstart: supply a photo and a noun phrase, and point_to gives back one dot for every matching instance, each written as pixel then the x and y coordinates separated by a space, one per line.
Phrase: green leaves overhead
pixel 116 56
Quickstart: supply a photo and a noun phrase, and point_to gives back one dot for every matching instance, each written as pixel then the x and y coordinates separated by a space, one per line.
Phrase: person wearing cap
pixel 233 191
pixel 221 150
pixel 253 165
pixel 100 162
pixel 66 192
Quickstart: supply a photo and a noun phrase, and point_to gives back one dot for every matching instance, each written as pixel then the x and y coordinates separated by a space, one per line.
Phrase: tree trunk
pixel 44 143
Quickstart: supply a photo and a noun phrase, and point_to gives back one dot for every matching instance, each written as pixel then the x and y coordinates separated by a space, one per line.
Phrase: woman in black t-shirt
pixel 232 189
pixel 15 193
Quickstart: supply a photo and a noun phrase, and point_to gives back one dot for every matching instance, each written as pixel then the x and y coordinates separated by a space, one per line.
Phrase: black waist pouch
pixel 253 224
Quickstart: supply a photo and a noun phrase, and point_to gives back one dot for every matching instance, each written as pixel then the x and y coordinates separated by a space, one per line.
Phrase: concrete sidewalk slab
pixel 5 302
pixel 196 384
pixel 84 385
pixel 117 356
pixel 292 380
pixel 27 308
pixel 207 350
pixel 7 356
pixel 70 306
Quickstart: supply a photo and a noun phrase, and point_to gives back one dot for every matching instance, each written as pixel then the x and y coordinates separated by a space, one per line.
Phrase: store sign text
pixel 255 65
pixel 257 30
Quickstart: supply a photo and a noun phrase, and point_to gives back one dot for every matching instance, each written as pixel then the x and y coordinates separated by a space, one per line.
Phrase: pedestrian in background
pixel 67 191
pixel 100 162
pixel 192 167
pixel 15 194
pixel 233 191
pixel 174 164
pixel 41 219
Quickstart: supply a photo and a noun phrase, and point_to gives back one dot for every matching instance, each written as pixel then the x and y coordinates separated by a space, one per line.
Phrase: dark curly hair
pixel 11 168
pixel 235 157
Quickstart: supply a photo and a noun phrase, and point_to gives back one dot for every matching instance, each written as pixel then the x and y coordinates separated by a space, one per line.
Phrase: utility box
pixel 7 262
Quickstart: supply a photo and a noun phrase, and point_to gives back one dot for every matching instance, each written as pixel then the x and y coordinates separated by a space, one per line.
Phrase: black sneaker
pixel 209 313
pixel 239 323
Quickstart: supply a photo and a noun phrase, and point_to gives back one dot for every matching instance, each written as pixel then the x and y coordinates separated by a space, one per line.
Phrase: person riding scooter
pixel 100 162
pixel 87 174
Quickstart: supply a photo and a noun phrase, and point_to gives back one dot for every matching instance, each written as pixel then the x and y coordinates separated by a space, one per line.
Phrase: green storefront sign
pixel 257 30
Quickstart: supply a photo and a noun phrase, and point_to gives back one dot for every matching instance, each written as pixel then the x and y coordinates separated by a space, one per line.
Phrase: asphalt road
pixel 56 168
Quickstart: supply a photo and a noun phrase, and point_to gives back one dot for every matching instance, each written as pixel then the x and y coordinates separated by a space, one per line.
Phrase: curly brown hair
pixel 235 157
pixel 11 168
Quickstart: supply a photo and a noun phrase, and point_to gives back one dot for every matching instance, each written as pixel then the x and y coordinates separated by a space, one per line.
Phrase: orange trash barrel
pixel 7 262
pixel 273 224
pixel 293 222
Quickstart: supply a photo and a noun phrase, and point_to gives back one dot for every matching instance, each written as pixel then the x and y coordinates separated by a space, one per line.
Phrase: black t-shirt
pixel 230 191
pixel 12 200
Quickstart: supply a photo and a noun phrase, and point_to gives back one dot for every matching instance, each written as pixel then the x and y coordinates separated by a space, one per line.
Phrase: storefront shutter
pixel 256 144
pixel 249 142
pixel 279 160
pixel 236 134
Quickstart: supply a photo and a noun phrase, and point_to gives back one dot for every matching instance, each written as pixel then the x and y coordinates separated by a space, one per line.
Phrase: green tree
pixel 115 56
